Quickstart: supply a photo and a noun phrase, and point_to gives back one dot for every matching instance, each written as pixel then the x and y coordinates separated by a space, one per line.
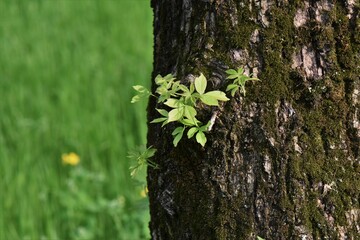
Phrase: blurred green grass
pixel 66 71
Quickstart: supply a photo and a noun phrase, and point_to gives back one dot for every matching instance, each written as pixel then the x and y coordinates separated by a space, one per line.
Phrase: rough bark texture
pixel 281 163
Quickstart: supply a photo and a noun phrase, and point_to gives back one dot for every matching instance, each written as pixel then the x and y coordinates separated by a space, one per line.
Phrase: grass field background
pixel 66 71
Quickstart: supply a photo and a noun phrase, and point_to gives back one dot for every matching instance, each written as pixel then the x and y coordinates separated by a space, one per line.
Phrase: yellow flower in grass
pixel 70 158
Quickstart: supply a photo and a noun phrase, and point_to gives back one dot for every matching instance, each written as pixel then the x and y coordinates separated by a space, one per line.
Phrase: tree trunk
pixel 282 162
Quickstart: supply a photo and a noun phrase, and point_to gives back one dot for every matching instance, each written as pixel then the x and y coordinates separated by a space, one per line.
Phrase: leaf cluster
pixel 182 101
pixel 142 158
pixel 143 93
pixel 239 80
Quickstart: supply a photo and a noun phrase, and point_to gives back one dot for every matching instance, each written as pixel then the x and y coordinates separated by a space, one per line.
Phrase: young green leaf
pixel 200 84
pixel 209 100
pixel 184 88
pixel 231 72
pixel 235 74
pixel 164 119
pixel 175 114
pixel 162 112
pixel 178 132
pixel 189 97
pixel 135 99
pixel 232 76
pixel 240 70
pixel 150 152
pixel 172 102
pixel 233 91
pixel 175 86
pixel 219 95
pixel 140 88
pixel 169 77
pixel 189 112
pixel 192 87
pixel 162 98
pixel 158 120
pixel 161 90
pixel 192 131
pixel 231 86
pixel 177 139
pixel 143 93
pixel 201 138
pixel 159 80
pixel 190 122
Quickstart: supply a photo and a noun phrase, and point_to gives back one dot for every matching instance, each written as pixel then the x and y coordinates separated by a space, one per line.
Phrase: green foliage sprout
pixel 182 102
pixel 143 92
pixel 239 80
pixel 142 158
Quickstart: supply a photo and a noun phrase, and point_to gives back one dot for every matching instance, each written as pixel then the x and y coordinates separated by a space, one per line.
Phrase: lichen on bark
pixel 282 162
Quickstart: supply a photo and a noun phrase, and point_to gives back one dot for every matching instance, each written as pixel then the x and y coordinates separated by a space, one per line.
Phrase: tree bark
pixel 282 162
